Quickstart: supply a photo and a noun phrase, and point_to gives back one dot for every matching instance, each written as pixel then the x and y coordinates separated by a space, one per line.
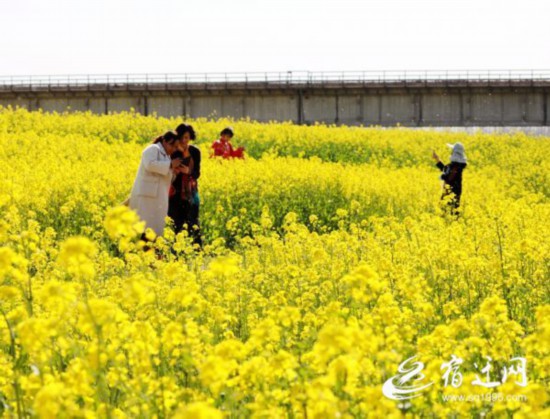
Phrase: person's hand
pixel 175 163
pixel 181 169
pixel 435 156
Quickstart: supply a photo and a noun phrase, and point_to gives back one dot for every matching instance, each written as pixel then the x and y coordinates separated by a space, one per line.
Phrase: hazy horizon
pixel 167 36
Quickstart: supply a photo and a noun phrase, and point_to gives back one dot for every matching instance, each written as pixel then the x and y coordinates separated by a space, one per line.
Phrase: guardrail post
pixel 545 108
pixel 300 106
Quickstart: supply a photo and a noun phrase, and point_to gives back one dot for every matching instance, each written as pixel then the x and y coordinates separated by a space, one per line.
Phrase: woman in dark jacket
pixel 184 200
pixel 452 175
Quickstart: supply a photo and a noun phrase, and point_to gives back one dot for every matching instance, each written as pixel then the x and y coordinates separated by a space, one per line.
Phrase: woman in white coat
pixel 149 197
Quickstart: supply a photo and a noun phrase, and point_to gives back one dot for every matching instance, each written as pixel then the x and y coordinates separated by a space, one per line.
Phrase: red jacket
pixel 225 150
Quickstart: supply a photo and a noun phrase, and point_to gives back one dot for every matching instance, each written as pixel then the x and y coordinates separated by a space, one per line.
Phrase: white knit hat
pixel 458 155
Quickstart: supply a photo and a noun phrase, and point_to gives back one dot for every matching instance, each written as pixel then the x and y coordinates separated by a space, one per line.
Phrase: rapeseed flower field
pixel 329 261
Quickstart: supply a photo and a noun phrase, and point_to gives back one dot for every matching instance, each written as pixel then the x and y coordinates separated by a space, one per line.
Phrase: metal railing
pixel 287 77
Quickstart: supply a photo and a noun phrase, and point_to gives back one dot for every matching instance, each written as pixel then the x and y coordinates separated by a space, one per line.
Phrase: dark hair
pixel 182 129
pixel 169 136
pixel 227 131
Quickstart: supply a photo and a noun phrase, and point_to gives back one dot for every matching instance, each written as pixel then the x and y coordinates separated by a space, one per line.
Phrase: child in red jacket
pixel 223 147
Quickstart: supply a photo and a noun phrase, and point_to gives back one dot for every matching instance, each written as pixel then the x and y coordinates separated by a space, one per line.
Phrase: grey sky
pixel 167 36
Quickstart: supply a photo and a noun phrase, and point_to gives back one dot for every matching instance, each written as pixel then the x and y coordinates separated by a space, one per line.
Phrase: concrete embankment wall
pixel 423 104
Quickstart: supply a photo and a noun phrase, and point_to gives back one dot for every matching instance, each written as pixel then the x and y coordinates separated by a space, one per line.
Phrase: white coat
pixel 149 197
